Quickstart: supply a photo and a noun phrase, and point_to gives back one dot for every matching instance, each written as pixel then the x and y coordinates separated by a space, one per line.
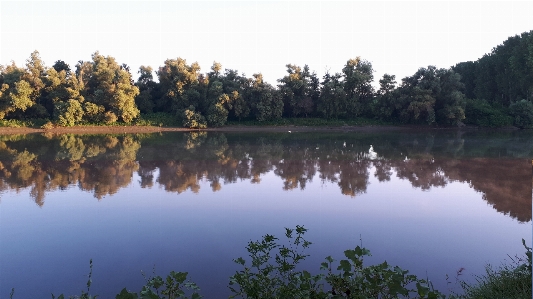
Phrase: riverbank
pixel 231 128
pixel 154 129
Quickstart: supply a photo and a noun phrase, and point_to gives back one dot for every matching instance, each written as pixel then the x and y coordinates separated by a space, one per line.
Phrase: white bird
pixel 290 132
pixel 371 153
pixel 344 145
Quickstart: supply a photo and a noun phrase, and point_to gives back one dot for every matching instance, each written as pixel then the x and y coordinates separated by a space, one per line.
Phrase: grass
pixel 506 281
pixel 311 122
pixel 15 123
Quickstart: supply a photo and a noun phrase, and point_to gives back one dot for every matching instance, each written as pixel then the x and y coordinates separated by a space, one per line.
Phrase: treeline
pixel 496 90
pixel 499 86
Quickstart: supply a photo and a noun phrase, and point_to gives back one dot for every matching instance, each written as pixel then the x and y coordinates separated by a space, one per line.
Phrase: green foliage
pixel 174 286
pixel 93 113
pixel 68 113
pixel 507 281
pixel 431 96
pixel 522 114
pixel 15 97
pixel 378 281
pixel 272 272
pixel 332 102
pixel 298 93
pixel 193 120
pixel 110 117
pixel 110 85
pixel 160 119
pixel 358 76
pixel 385 104
pixel 481 113
pixel 503 75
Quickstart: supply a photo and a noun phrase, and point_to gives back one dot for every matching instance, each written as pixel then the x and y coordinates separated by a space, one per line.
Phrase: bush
pixel 522 113
pixel 481 113
pixel 110 117
pixel 193 120
pixel 93 113
pixel 508 281
pixel 68 113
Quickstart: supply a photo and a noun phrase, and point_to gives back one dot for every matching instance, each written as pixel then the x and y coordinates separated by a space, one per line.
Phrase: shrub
pixel 193 120
pixel 68 113
pixel 110 117
pixel 522 113
pixel 93 113
pixel 481 113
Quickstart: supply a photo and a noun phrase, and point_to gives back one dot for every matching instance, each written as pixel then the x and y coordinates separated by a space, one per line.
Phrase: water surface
pixel 431 202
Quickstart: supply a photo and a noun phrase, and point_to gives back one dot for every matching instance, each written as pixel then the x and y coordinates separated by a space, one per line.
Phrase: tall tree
pixel 297 91
pixel 147 89
pixel 358 77
pixel 15 92
pixel 332 101
pixel 180 86
pixel 110 85
pixel 385 105
pixel 265 101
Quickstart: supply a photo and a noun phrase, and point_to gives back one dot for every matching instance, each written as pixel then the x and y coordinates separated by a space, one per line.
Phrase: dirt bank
pixel 148 129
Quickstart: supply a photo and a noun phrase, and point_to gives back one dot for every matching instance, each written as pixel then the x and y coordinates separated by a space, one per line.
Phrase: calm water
pixel 431 202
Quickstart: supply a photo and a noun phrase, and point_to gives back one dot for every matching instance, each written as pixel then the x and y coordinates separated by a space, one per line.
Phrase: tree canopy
pixel 495 90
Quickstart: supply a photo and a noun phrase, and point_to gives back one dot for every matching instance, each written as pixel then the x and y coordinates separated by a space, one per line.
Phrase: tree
pixel 297 91
pixel 15 92
pixel 418 96
pixel 385 103
pixel 332 101
pixel 110 86
pixel 522 113
pixel 69 113
pixel 266 103
pixel 358 77
pixel 147 88
pixel 180 86
pixel 450 100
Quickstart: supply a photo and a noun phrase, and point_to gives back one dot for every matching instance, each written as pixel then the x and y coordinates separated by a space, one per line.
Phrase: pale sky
pixel 397 37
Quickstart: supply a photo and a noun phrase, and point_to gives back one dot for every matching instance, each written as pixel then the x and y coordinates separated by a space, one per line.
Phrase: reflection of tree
pixel 105 164
pixel 421 173
pixel 504 183
pixel 68 160
pixel 353 177
pixel 179 176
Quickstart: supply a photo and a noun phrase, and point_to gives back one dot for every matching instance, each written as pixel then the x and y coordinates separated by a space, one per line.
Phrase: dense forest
pixel 494 91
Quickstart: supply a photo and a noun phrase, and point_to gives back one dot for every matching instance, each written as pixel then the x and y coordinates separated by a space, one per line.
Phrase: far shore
pixel 155 129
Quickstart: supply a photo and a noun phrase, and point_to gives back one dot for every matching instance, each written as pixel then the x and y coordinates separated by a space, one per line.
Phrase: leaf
pixel 124 294
pixel 345 266
pixel 324 266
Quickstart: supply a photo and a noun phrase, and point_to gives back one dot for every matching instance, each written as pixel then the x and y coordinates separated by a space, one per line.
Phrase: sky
pixel 397 37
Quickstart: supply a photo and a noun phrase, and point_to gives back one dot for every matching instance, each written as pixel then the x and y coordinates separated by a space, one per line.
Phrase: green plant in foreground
pixel 83 294
pixel 507 281
pixel 263 279
pixel 280 279
pixel 273 273
pixel 377 281
pixel 172 287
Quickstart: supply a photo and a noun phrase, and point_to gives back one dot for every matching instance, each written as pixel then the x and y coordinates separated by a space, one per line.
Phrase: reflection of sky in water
pixel 47 249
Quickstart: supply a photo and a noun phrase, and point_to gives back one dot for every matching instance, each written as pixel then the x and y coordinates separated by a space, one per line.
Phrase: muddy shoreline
pixel 290 128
